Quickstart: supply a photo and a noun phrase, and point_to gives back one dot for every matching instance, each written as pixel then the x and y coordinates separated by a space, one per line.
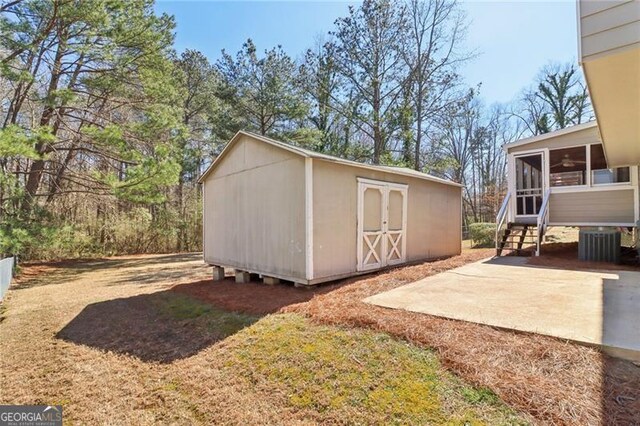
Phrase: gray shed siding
pixel 254 215
pixel 433 217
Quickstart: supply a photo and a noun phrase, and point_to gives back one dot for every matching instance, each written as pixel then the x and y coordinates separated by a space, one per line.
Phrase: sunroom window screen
pixel 600 174
pixel 568 166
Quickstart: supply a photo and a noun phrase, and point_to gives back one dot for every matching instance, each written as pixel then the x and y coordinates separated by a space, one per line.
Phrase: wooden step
pixel 521 230
pixel 517 246
pixel 520 240
pixel 529 235
pixel 512 242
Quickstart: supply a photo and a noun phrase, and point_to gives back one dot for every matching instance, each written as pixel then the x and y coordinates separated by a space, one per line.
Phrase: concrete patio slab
pixel 591 307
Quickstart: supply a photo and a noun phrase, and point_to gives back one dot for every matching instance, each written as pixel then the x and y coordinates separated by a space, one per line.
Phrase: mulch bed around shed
pixel 251 298
pixel 556 382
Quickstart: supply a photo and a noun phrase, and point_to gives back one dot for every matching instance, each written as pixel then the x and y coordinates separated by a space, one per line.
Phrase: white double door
pixel 382 224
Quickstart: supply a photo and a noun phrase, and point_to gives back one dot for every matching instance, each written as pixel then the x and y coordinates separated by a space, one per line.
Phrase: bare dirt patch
pixel 565 256
pixel 251 298
pixel 160 327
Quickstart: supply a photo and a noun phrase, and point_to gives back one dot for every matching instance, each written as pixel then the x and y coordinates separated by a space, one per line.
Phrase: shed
pixel 288 213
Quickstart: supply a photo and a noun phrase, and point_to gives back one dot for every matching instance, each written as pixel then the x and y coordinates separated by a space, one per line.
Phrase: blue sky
pixel 513 38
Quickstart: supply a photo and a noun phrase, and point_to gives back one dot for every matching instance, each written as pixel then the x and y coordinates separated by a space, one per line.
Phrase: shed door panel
pixel 382 217
pixel 373 208
pixel 371 238
pixel 396 225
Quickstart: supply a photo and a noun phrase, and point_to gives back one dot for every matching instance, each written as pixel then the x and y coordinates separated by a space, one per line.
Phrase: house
pixel 289 213
pixel 586 175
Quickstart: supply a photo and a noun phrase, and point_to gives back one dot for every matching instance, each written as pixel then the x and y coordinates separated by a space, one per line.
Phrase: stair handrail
pixel 502 215
pixel 543 219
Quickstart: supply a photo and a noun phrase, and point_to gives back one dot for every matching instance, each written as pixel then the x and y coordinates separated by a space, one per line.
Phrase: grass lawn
pixel 331 374
pixel 113 349
pixel 150 339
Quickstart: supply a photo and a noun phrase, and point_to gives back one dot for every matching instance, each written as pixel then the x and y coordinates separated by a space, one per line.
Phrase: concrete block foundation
pixel 242 276
pixel 218 273
pixel 270 280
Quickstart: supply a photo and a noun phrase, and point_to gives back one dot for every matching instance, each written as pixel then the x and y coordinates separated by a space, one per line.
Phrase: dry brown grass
pixel 556 382
pixel 82 334
pixel 118 342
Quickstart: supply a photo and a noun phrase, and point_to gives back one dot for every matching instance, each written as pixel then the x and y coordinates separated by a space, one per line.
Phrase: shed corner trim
pixel 308 206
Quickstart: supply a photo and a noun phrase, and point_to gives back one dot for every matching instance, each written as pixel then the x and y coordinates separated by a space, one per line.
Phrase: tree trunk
pixel 377 132
pixel 418 130
pixel 37 166
pixel 180 208
pixel 57 180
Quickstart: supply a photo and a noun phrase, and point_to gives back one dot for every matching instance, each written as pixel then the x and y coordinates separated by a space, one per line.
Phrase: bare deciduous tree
pixel 557 100
pixel 432 53
pixel 368 56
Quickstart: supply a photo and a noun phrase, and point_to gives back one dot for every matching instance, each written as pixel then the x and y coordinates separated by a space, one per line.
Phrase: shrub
pixel 482 234
pixel 41 235
pixel 36 240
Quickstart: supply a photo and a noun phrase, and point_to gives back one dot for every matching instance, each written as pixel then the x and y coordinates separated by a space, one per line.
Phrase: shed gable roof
pixel 312 154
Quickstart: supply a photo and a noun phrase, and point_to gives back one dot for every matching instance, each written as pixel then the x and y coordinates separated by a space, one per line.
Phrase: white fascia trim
pixel 550 135
pixel 579 28
pixel 382 182
pixel 579 224
pixel 597 188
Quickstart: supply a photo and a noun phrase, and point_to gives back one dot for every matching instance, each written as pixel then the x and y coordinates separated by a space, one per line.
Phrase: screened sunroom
pixel 569 168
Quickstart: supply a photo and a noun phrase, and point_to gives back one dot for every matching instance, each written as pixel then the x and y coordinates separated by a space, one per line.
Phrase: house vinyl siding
pixel 433 217
pixel 254 216
pixel 597 207
pixel 608 26
pixel 609 45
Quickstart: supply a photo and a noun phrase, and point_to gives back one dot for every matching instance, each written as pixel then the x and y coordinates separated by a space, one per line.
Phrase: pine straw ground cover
pixel 115 342
pixel 555 382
